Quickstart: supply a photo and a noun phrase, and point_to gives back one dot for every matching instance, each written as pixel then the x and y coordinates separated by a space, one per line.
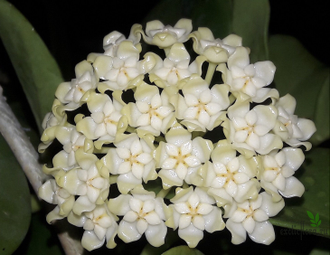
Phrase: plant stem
pixel 163 192
pixel 27 157
pixel 210 72
pixel 20 144
pixel 113 179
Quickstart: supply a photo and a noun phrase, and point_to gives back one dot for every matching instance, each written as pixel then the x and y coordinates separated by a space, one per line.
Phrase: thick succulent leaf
pixel 305 78
pixel 182 250
pixel 250 21
pixel 240 17
pixel 314 174
pixel 33 63
pixel 15 203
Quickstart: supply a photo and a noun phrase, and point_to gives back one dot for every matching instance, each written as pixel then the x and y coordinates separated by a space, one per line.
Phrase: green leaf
pixel 317 217
pixel 310 215
pixel 314 174
pixel 305 78
pixel 33 63
pixel 182 250
pixel 15 202
pixel 250 21
pixel 247 20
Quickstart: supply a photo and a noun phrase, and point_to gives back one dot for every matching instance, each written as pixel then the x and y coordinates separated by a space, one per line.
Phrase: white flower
pixel 180 157
pixel 71 93
pixel 100 225
pixel 278 173
pixel 175 67
pixel 194 212
pixel 111 42
pixel 229 176
pixel 293 130
pixel 88 180
pixel 249 130
pixel 119 71
pixel 165 36
pixel 132 160
pixel 53 194
pixel 102 123
pixel 143 214
pixel 201 108
pixel 152 112
pixel 214 50
pixel 251 217
pixel 71 140
pixel 94 188
pixel 248 80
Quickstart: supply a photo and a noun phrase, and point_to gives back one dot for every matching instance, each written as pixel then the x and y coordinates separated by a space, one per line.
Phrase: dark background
pixel 72 29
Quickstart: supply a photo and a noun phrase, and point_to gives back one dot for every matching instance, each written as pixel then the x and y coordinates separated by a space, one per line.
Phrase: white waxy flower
pixel 293 130
pixel 214 50
pixel 132 161
pixel 194 212
pixel 71 140
pixel 251 217
pixel 54 194
pixel 103 121
pixel 49 120
pixel 278 173
pixel 201 108
pixel 152 112
pixel 249 130
pixel 99 224
pixel 229 176
pixel 111 42
pixel 180 158
pixel 88 180
pixel 175 67
pixel 246 80
pixel 71 93
pixel 143 214
pixel 165 36
pixel 119 71
pixel 94 188
pixel 57 117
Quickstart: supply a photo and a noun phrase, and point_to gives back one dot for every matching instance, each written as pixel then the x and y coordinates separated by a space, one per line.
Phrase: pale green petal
pixel 293 188
pixel 83 204
pixel 263 233
pixel 156 234
pixel 269 206
pixel 90 241
pixel 238 233
pixel 214 221
pixel 191 235
pixel 128 232
pixel 119 205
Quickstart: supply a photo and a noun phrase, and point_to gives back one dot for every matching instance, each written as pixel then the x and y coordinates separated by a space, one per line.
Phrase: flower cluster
pixel 189 142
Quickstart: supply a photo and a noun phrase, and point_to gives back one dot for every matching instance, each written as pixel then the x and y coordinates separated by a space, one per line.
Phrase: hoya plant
pixel 170 138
